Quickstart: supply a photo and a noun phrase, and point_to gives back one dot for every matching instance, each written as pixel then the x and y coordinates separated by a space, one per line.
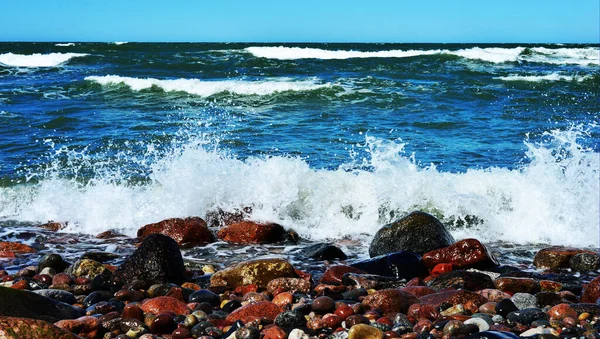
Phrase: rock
pixel 526 316
pixel 550 299
pixel 58 295
pixel 323 305
pixel 163 324
pixel 561 311
pixel 524 300
pixel 371 281
pixel 161 304
pixel 467 253
pixel 453 297
pixel 249 232
pixel 54 226
pixel 289 320
pixel 493 294
pixel 592 292
pixel 100 256
pixel 454 328
pixel 205 296
pixel 540 331
pixel 505 306
pixel 31 305
pixel 389 300
pixel 400 265
pixel 472 281
pixel 259 272
pixel 298 334
pixel 479 322
pixel 219 218
pixel 417 232
pixel 525 285
pixel 554 258
pixel 591 308
pixel 15 247
pixel 550 286
pixel 23 328
pixel 273 332
pixel 261 310
pixel 283 299
pixel 422 311
pixel 87 268
pixel 85 327
pixel 157 260
pixel 335 273
pixel 585 262
pixel 188 231
pixel 457 309
pixel 418 291
pixel 54 261
pixel 62 279
pixel 363 331
pixel 289 284
pixel 493 335
pixel 323 251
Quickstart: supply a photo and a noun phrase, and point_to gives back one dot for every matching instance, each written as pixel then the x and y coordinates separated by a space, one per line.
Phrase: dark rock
pixel 335 273
pixel 527 316
pixel 544 299
pixel 400 265
pixel 100 256
pixel 188 231
pixel 53 261
pixel 356 319
pixel 585 262
pixel 371 281
pixel 96 297
pixel 205 296
pixel 250 332
pixel 163 324
pixel 514 285
pixel 592 291
pixel 21 328
pixel 355 294
pixel 472 281
pixel 591 308
pixel 323 251
pixel 249 232
pixel 505 306
pixel 493 335
pixel 231 305
pixel 417 232
pixel 467 253
pixel 453 297
pixel 157 260
pixel 389 300
pixel 58 295
pixel 16 303
pixel 322 305
pixel 557 257
pixel 87 268
pixel 289 320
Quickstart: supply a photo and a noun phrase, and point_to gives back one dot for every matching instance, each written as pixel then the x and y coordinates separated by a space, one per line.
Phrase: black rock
pixel 466 280
pixel 544 299
pixel 417 232
pixel 231 305
pixel 355 294
pixel 401 324
pixel 585 262
pixel 96 297
pixel 205 296
pixel 526 316
pixel 58 295
pixel 199 329
pixel 157 260
pixel 505 306
pixel 100 256
pixel 493 335
pixel 323 251
pixel 372 281
pixel 425 335
pixel 237 325
pixel 54 261
pixel 24 304
pixel 400 265
pixel 289 320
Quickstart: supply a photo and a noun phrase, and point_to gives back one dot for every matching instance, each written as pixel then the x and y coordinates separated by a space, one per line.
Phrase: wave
pixel 68 44
pixel 37 60
pixel 548 77
pixel 120 42
pixel 552 199
pixel 579 56
pixel 209 88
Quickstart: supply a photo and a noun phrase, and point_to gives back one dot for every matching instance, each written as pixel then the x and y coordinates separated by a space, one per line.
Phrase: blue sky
pixel 302 21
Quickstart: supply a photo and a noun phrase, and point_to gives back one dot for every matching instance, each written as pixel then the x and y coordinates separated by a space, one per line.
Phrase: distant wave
pixel 208 88
pixel 68 44
pixel 549 77
pixel 578 56
pixel 37 60
pixel 120 42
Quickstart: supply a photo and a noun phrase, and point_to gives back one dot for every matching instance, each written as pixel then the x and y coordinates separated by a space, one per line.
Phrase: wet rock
pixel 472 281
pixel 25 304
pixel 334 274
pixel 389 300
pixel 453 297
pixel 162 324
pixel 259 310
pixel 87 268
pixel 585 262
pixel 205 296
pixel 454 328
pixel 400 265
pixel 322 305
pixel 592 291
pixel 62 279
pixel 467 253
pixel 363 331
pixel 557 257
pixel 550 286
pixel 130 295
pixel 417 232
pixel 524 300
pixel 514 285
pixel 371 281
pixel 132 311
pixel 249 332
pixel 219 218
pixel 101 257
pixel 561 311
pixel 273 332
pixel 85 327
pixel 22 328
pixel 289 284
pixel 540 332
pixel 422 311
pixel 157 260
pixel 161 304
pixel 58 295
pixel 289 320
pixel 283 299
pixel 253 297
pixel 15 248
pixel 259 272
pixel 591 308
pixel 53 226
pixel 54 261
pixel 96 297
pixel 526 316
pixel 505 306
pixel 188 231
pixel 323 251
pixel 181 333
pixel 249 232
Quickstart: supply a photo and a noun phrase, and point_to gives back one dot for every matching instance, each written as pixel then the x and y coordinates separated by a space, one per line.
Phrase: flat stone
pixel 250 232
pixel 472 281
pixel 261 310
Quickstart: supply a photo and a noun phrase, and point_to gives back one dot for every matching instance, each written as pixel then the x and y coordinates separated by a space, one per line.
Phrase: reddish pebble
pixel 61 279
pixel 161 304
pixel 390 334
pixel 385 320
pixel 419 291
pixel 43 279
pixel 332 320
pixel 356 319
pixel 181 333
pixel 163 324
pixel 133 312
pixel 334 274
pixel 441 269
pixel 283 299
pixel 21 285
pixel 344 311
pixel 273 332
pixel 422 311
pixel 561 311
pixel 82 281
pixel 411 335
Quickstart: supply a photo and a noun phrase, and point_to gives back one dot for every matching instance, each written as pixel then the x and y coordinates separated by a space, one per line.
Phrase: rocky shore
pixel 419 282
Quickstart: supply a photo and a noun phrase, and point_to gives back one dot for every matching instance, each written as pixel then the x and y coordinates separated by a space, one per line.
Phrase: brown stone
pixel 561 311
pixel 15 247
pixel 188 231
pixel 557 257
pixel 419 291
pixel 453 297
pixel 261 310
pixel 250 232
pixel 467 253
pixel 289 284
pixel 161 304
pixel 273 332
pixel 85 327
pixel 62 279
pixel 24 328
pixel 283 299
pixel 419 311
pixel 130 295
pixel 517 285
pixel 592 292
pixel 472 281
pixel 259 272
pixel 390 300
pixel 550 286
pixel 334 274
pixel 363 331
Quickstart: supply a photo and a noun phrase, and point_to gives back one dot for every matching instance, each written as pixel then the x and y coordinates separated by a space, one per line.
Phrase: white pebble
pixel 482 324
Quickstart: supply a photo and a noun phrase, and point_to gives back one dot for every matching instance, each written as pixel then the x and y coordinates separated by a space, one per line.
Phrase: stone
pixel 62 279
pixel 323 305
pixel 371 281
pixel 298 334
pixel 334 274
pixel 505 306
pixel 87 268
pixel 249 232
pixel 453 297
pixel 161 304
pixel 188 231
pixel 15 247
pixel 493 294
pixel 541 332
pixel 283 299
pixel 130 295
pixel 557 257
pixel 561 311
pixel 472 281
pixel 85 327
pixel 163 323
pixel 467 253
pixel 289 284
pixel 418 291
pixel 400 265
pixel 23 328
pixel 16 303
pixel 592 291
pixel 323 251
pixel 289 320
pixel 481 324
pixel 549 299
pixel 422 311
pixel 524 300
pixel 54 226
pixel 585 262
pixel 389 300
pixel 493 335
pixel 363 331
pixel 58 295
pixel 417 232
pixel 54 261
pixel 515 285
pixel 261 310
pixel 526 316
pixel 205 296
pixel 157 260
pixel 591 308
pixel 273 332
pixel 259 272
pixel 454 328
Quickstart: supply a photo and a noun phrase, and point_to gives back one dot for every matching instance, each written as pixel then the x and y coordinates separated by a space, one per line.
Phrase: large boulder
pixel 24 328
pixel 157 261
pixel 467 253
pixel 259 272
pixel 400 265
pixel 250 232
pixel 417 232
pixel 188 231
pixel 16 303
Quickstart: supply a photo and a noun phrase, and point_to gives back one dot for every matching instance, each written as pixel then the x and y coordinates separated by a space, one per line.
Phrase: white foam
pixel 555 76
pixel 554 199
pixel 290 53
pixel 208 88
pixel 68 44
pixel 37 60
pixel 120 42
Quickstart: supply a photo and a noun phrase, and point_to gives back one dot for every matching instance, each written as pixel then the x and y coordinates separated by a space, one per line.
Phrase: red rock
pixel 15 247
pixel 423 325
pixel 467 253
pixel 321 288
pixel 132 311
pixel 250 232
pixel 21 285
pixel 176 292
pixel 453 297
pixel 332 320
pixel 191 286
pixel 334 274
pixel 592 292
pixel 130 295
pixel 181 333
pixel 85 327
pixel 419 291
pixel 109 235
pixel 441 269
pixel 561 311
pixel 283 299
pixel 23 328
pixel 260 310
pixel 344 311
pixel 492 294
pixel 273 332
pixel 188 231
pixel 289 284
pixel 488 308
pixel 62 279
pixel 517 285
pixel 550 286
pixel 7 254
pixel 422 311
pixel 161 304
pixel 389 300
pixel 554 258
pixel 243 290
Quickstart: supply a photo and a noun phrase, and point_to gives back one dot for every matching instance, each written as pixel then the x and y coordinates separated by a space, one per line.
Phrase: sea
pixel 501 142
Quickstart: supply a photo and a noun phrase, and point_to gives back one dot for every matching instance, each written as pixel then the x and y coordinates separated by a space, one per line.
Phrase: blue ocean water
pixel 501 142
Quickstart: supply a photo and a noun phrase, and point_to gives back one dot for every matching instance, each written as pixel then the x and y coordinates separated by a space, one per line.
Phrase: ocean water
pixel 501 142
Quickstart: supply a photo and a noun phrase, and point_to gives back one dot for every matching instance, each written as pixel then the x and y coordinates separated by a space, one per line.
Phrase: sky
pixel 517 21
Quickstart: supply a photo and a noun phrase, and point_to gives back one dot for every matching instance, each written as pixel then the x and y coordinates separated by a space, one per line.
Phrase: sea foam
pixel 208 88
pixel 552 199
pixel 555 76
pixel 37 60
